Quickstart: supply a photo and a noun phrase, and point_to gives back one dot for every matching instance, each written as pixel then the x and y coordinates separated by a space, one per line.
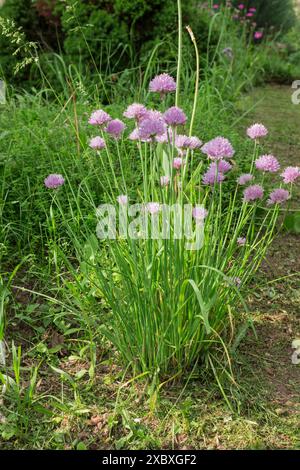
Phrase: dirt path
pixel 276 301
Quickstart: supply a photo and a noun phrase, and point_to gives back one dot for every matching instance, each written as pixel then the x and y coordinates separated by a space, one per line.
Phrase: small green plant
pixel 17 393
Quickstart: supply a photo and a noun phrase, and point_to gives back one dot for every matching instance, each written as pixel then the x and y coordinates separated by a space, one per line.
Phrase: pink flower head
pixel 218 148
pixel 97 143
pixel 174 116
pixel 54 180
pixel 199 213
pixel 99 118
pixel 258 35
pixel 151 127
pixel 177 163
pixel 253 192
pixel 249 14
pixel 221 166
pixel 154 114
pixel 244 179
pixel 278 196
pixel 211 177
pixel 241 241
pixel 241 6
pixel 267 163
pixel 162 84
pixel 256 131
pixel 194 143
pixel 252 9
pixel 164 180
pixel 135 111
pixel 153 207
pixel 134 135
pixel 182 141
pixel 291 174
pixel 216 6
pixel 115 128
pixel 165 138
pixel 122 199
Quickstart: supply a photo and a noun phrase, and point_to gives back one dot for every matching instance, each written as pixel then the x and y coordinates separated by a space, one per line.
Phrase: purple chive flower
pixel 278 196
pixel 154 114
pixel 177 163
pixel 199 213
pixel 252 9
pixel 135 111
pixel 218 148
pixel 290 174
pixel 122 199
pixel 97 143
pixel 241 241
pixel 182 141
pixel 175 116
pixel 195 143
pixel 210 177
pixel 99 118
pixel 241 6
pixel 115 128
pixel 151 127
pixel 162 84
pixel 54 180
pixel 253 192
pixel 249 14
pixel 164 180
pixel 267 163
pixel 153 207
pixel 215 6
pixel 134 135
pixel 221 166
pixel 244 179
pixel 256 131
pixel 166 137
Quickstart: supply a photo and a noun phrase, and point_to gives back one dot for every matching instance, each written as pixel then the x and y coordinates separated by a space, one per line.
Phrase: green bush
pixel 101 35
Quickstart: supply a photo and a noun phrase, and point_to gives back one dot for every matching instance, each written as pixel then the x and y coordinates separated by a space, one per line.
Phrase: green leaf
pixel 292 222
pixel 81 446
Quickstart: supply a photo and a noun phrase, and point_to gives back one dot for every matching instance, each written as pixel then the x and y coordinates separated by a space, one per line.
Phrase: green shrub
pixel 101 35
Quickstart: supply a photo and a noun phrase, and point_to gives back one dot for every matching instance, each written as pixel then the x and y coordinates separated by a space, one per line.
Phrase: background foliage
pixel 110 35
